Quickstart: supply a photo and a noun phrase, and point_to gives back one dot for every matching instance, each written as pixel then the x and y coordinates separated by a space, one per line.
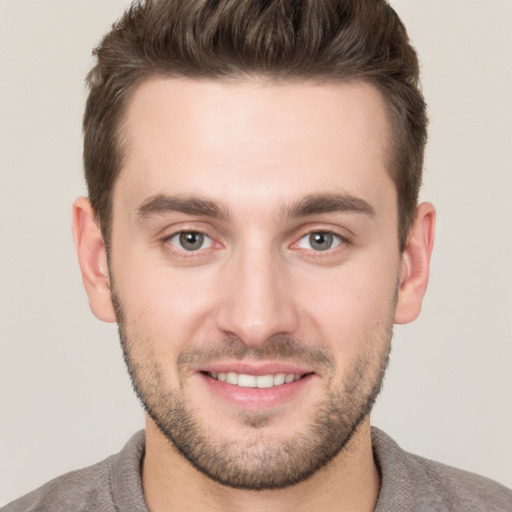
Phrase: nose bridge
pixel 257 303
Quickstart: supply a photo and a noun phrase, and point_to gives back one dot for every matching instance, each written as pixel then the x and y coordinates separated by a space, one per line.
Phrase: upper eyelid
pixel 162 229
pixel 185 230
pixel 170 231
pixel 319 229
pixel 341 238
pixel 181 231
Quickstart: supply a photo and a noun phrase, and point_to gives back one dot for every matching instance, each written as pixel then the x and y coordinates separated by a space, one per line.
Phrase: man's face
pixel 255 265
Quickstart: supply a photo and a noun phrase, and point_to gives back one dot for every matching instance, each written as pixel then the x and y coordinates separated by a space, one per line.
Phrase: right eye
pixel 190 241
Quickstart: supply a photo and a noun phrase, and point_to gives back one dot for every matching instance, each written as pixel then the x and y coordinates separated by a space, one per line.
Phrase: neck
pixel 350 482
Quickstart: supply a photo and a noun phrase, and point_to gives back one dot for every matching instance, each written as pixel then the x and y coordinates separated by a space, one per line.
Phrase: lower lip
pixel 256 398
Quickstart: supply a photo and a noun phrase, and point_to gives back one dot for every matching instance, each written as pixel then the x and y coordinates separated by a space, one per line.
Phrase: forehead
pixel 252 140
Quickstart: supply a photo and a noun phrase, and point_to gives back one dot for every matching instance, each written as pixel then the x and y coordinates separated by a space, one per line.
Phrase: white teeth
pixel 264 381
pixel 279 379
pixel 232 378
pixel 252 381
pixel 246 381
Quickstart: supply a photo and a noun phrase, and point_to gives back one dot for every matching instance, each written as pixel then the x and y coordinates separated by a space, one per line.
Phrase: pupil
pixel 321 241
pixel 191 241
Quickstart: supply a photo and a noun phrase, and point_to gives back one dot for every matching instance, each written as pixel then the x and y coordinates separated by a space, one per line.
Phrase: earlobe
pixel 415 264
pixel 92 257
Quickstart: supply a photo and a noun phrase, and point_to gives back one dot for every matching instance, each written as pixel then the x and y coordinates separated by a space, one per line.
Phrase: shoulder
pixel 67 492
pixel 91 488
pixel 423 484
pixel 462 488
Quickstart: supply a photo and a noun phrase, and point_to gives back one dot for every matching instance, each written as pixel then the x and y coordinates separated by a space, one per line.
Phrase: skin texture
pixel 246 163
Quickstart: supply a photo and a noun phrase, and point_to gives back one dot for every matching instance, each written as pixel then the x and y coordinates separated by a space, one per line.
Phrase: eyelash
pixel 339 241
pixel 190 253
pixel 336 239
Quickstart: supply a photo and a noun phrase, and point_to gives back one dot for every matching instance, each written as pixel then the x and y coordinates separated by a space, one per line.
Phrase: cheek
pixel 350 305
pixel 164 312
pixel 154 295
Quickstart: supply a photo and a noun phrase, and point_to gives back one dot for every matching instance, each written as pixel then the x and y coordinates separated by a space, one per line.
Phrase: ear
pixel 415 264
pixel 92 257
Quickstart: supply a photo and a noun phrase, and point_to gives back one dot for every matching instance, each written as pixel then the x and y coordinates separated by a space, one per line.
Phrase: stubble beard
pixel 257 462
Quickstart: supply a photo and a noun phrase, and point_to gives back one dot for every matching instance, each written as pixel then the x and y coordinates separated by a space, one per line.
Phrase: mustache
pixel 277 348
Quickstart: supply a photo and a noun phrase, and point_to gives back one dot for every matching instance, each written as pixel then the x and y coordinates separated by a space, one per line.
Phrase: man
pixel 252 226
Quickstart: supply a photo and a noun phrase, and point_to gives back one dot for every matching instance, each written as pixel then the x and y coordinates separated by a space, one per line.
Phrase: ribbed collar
pixel 126 476
pixel 396 488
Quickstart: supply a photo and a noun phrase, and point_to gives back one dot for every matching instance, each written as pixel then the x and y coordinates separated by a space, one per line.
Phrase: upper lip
pixel 256 367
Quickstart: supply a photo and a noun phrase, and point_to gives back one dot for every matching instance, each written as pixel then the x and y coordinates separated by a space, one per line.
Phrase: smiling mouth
pixel 256 381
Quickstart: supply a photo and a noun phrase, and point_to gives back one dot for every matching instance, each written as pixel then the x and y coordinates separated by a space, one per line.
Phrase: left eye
pixel 191 240
pixel 319 241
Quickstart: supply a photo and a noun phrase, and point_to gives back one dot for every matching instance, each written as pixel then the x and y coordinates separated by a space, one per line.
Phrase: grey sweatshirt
pixel 408 484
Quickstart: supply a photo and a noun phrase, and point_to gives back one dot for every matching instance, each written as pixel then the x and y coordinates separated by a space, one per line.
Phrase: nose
pixel 257 298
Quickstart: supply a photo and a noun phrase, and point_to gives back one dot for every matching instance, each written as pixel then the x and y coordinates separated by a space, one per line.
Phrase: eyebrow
pixel 161 204
pixel 315 204
pixel 328 203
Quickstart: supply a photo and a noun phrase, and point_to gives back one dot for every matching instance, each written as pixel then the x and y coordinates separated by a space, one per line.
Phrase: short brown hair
pixel 324 40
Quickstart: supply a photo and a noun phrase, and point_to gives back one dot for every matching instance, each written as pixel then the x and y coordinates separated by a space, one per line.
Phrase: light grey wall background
pixel 65 401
